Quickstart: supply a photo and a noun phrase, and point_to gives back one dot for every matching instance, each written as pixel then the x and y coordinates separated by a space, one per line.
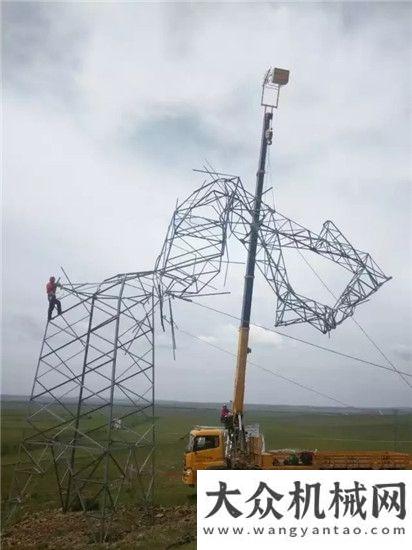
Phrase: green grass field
pixel 283 428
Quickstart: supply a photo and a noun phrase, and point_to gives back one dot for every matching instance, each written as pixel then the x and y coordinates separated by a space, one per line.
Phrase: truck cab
pixel 205 450
pixel 209 449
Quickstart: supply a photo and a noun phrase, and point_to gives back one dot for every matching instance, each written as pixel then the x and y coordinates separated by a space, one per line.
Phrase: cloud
pixel 41 50
pixel 222 334
pixel 228 333
pixel 403 351
pixel 178 132
pixel 260 336
pixel 22 327
pixel 107 108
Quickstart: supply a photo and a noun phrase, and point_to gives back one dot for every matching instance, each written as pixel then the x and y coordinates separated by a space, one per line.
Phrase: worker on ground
pixel 51 288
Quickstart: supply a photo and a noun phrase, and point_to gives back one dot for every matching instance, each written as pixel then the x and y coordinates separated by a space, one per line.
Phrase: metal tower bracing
pixel 93 392
pixel 92 401
pixel 365 277
pixel 196 240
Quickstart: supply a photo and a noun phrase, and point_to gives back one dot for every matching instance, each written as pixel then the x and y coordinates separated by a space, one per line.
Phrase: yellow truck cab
pixel 205 450
pixel 208 449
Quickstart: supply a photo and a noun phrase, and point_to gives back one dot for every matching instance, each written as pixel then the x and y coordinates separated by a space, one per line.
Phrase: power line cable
pixel 393 367
pixel 301 340
pixel 269 371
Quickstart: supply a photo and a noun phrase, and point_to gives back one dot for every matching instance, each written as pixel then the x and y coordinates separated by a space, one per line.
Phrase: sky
pixel 108 107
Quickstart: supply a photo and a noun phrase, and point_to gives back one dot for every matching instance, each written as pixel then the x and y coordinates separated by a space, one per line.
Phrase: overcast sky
pixel 108 107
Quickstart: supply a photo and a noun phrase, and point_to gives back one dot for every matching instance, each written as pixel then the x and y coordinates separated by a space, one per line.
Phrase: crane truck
pixel 235 445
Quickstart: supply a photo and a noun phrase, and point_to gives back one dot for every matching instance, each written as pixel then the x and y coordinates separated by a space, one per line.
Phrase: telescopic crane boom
pixel 274 79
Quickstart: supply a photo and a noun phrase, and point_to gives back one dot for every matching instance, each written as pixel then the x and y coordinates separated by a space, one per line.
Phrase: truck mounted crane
pixel 235 445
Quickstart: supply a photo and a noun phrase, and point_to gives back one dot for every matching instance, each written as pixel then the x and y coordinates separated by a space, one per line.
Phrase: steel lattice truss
pixel 197 241
pixel 277 232
pixel 92 401
pixel 92 398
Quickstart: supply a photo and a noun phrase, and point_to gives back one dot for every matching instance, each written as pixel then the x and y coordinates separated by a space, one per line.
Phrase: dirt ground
pixel 164 528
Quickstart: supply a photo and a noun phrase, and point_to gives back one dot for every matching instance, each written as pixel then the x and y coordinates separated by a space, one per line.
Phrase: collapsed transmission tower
pixel 92 401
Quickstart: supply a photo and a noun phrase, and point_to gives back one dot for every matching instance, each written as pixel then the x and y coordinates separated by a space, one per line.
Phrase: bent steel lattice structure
pixel 92 402
pixel 278 232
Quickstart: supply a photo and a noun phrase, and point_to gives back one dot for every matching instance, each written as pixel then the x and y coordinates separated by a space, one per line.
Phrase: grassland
pixel 283 428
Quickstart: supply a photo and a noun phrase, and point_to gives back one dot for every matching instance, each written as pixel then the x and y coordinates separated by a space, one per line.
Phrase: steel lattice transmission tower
pixel 92 401
pixel 91 413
